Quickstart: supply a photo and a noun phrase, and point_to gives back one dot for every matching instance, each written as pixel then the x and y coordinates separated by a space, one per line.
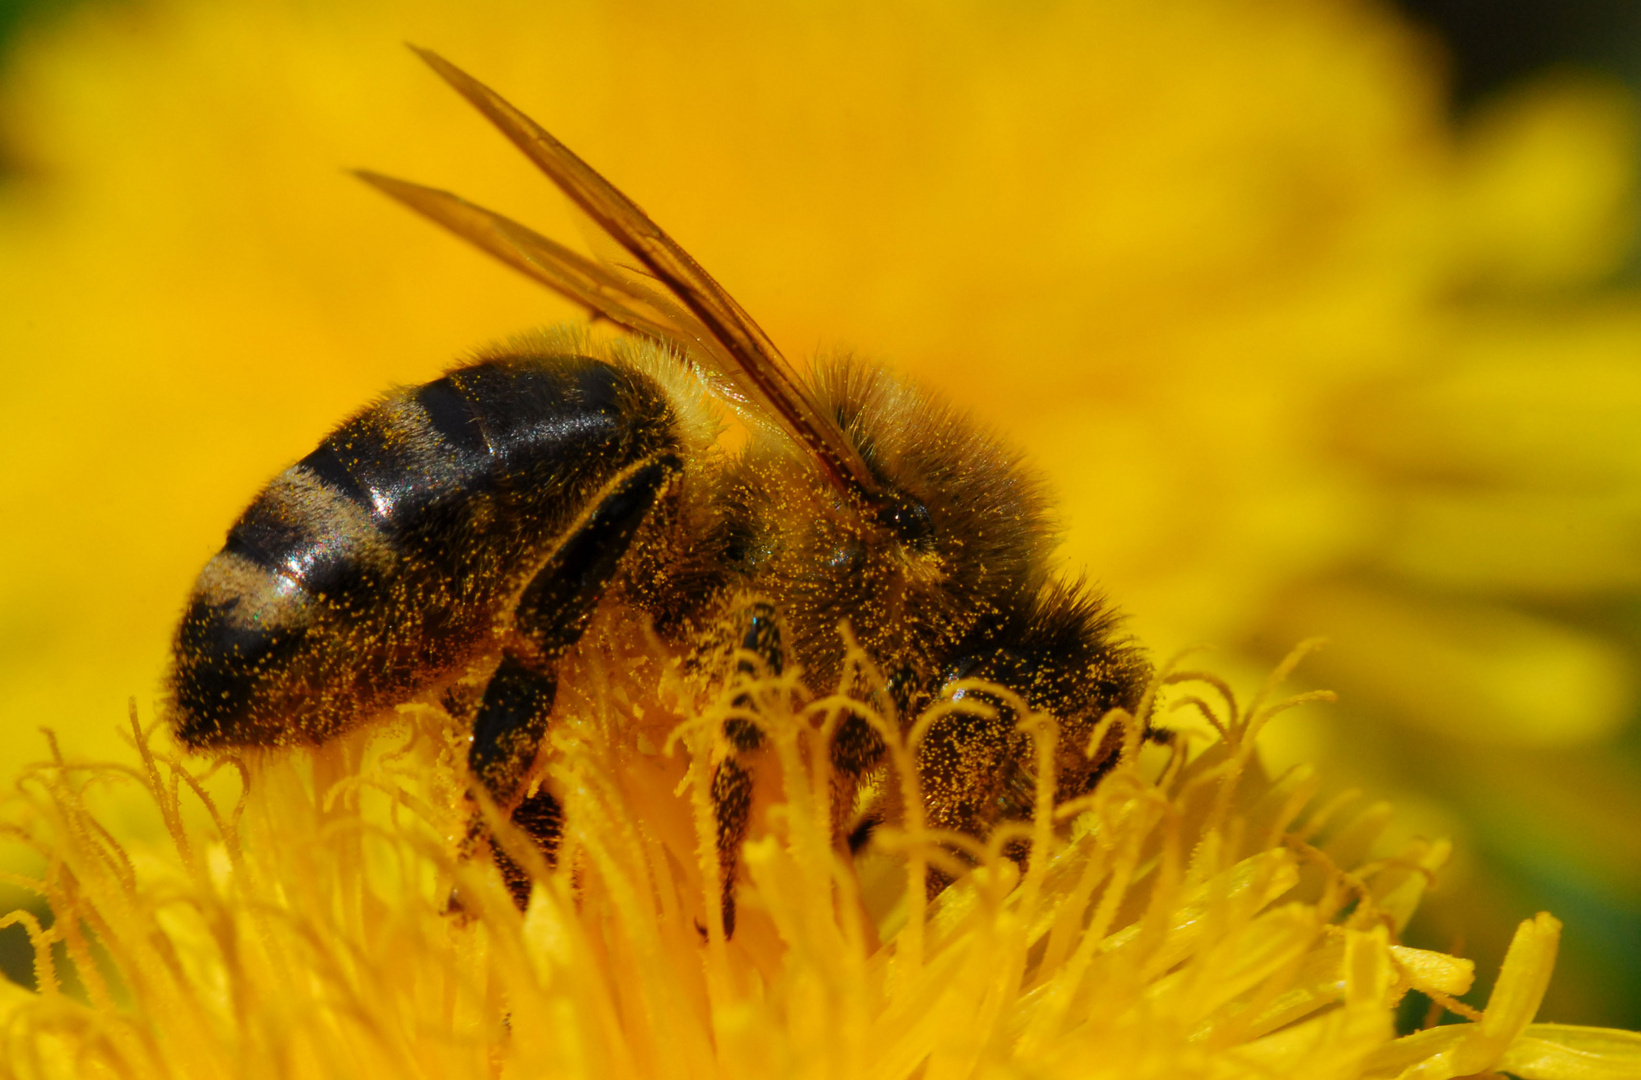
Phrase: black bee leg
pixel 732 809
pixel 507 732
pixel 541 818
pixel 552 614
pixel 731 782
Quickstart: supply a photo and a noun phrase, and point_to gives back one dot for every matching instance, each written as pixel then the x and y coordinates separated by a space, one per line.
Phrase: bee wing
pixel 748 357
pixel 593 285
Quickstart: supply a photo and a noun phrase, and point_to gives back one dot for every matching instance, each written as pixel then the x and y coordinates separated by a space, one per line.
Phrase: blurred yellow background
pixel 1299 354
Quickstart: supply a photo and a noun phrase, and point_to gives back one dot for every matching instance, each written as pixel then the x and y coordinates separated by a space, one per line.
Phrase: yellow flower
pixel 1298 357
pixel 1197 920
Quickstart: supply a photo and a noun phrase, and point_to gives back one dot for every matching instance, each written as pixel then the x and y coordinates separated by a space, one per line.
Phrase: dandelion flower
pixel 1299 357
pixel 1190 918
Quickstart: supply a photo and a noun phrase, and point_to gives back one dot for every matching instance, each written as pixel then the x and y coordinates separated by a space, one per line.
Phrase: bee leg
pixel 964 789
pixel 541 818
pixel 507 732
pixel 731 781
pixel 553 612
pixel 857 749
pixel 732 810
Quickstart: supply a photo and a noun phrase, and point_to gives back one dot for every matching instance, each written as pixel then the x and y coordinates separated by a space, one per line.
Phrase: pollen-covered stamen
pixel 1127 933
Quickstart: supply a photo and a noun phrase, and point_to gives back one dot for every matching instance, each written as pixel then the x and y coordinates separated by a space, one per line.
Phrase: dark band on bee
pixel 452 417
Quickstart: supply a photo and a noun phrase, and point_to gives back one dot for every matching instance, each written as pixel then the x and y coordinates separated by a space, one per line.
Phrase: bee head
pixel 1062 654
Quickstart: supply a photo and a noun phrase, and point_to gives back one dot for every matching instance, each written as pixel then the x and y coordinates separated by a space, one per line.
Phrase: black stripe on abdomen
pixel 452 419
pixel 272 534
pixel 308 532
pixel 557 409
pixel 399 458
pixel 326 464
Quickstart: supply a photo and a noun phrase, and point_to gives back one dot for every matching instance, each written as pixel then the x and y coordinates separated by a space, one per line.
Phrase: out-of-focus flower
pixel 1198 921
pixel 1298 358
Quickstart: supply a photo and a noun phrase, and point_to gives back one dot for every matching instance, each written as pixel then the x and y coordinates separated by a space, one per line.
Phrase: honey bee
pixel 482 519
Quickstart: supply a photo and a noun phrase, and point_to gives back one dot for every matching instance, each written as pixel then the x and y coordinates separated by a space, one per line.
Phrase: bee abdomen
pixel 376 563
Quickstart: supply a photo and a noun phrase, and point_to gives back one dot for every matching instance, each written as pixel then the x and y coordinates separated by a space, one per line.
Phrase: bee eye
pixel 908 519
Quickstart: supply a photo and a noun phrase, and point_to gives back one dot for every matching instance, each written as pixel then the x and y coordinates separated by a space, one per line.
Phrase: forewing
pixel 750 359
pixel 576 277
